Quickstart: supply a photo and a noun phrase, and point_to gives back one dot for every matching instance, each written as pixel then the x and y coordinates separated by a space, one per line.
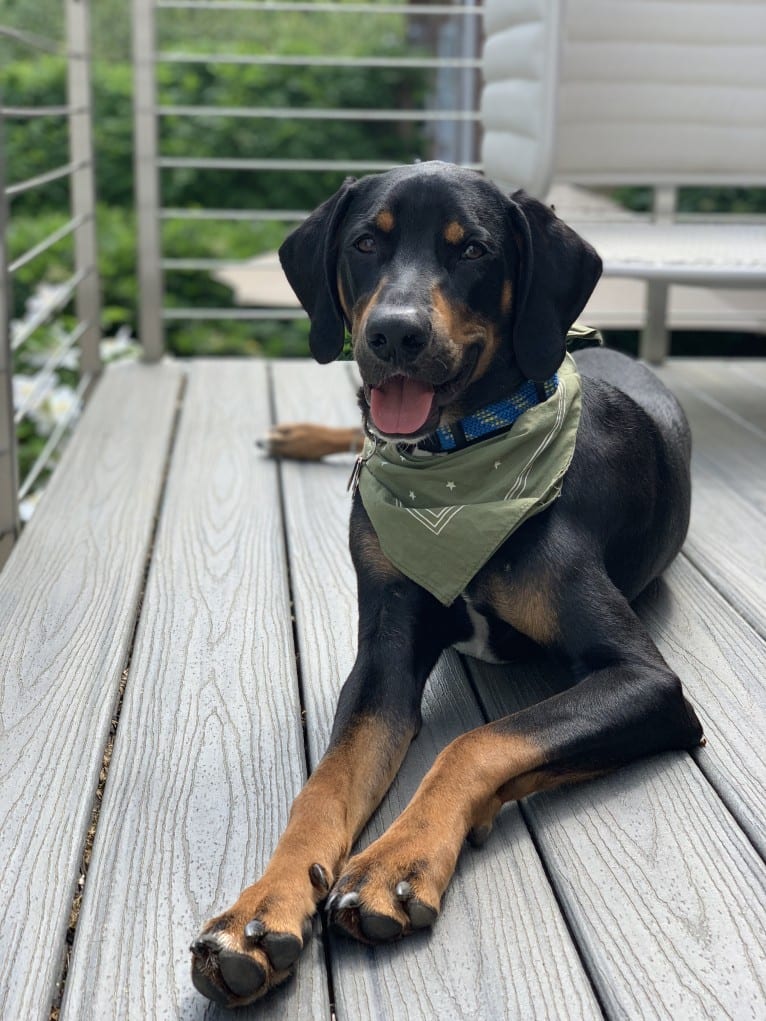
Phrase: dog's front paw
pixel 392 888
pixel 246 951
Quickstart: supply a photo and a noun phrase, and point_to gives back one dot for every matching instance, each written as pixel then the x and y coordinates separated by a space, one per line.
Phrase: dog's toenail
pixel 318 878
pixel 203 946
pixel 255 930
pixel 348 900
pixel 403 890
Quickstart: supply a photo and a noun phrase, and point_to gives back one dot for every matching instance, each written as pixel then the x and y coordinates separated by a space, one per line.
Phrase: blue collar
pixel 493 419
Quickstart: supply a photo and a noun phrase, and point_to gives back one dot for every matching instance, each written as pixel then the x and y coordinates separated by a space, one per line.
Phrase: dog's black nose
pixel 397 333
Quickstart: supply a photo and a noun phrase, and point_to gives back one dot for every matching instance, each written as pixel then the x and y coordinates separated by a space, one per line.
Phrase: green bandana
pixel 440 517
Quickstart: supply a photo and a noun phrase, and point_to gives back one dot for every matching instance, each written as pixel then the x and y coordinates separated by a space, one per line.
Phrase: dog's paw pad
pixel 242 974
pixel 379 928
pixel 282 948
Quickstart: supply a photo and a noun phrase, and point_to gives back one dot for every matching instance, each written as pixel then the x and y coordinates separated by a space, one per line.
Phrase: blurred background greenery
pixel 37 145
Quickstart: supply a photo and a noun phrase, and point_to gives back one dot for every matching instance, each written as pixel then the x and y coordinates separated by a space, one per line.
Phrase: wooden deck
pixel 170 558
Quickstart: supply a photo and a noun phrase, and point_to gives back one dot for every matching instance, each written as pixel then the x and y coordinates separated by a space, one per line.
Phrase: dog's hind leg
pixel 307 441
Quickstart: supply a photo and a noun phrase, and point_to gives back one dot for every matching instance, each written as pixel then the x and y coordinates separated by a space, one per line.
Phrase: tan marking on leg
pixel 454 233
pixel 459 792
pixel 385 221
pixel 371 555
pixel 307 441
pixel 325 819
pixel 545 780
pixel 527 604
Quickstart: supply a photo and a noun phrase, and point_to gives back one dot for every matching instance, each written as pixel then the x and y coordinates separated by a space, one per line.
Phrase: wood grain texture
pixel 209 750
pixel 500 948
pixel 663 891
pixel 67 605
pixel 726 412
pixel 733 386
pixel 721 662
pixel 732 444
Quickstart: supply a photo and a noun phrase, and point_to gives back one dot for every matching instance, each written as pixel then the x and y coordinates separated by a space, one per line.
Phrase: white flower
pixel 122 345
pixel 58 405
pixel 45 295
pixel 28 505
pixel 22 389
pixel 63 402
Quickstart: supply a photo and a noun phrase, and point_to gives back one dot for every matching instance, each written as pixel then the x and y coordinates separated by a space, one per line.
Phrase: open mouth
pixel 402 406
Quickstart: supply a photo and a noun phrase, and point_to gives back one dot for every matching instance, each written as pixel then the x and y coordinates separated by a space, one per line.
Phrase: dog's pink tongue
pixel 401 406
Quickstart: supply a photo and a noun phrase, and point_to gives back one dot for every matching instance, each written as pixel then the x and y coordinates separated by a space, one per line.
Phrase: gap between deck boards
pixel 124 680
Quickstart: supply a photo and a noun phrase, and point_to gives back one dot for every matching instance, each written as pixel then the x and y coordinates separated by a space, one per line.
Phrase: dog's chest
pixel 482 640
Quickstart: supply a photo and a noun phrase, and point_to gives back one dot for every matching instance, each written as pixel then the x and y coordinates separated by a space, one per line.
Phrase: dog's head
pixel 451 291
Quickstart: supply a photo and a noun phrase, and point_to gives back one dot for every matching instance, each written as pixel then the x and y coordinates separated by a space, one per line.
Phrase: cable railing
pixel 446 57
pixel 77 297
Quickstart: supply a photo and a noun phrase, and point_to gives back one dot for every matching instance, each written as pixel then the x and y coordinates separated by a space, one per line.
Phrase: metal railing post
pixel 9 482
pixel 150 285
pixel 83 191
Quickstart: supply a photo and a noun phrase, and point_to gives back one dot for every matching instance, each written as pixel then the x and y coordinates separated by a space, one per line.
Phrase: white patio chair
pixel 638 92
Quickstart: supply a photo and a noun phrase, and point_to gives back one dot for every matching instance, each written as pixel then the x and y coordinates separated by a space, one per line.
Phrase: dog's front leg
pixel 252 946
pixel 628 706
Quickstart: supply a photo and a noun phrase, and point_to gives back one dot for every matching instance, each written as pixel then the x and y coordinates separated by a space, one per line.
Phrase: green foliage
pixel 181 238
pixel 34 146
pixel 698 200
pixel 40 144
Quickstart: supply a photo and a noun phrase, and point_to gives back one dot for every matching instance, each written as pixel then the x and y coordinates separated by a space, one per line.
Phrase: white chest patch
pixel 478 644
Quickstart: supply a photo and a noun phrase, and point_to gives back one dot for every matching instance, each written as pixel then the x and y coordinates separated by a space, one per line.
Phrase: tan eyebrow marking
pixel 454 233
pixel 385 221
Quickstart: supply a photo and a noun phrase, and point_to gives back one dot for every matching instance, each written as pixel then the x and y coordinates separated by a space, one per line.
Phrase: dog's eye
pixel 474 250
pixel 365 244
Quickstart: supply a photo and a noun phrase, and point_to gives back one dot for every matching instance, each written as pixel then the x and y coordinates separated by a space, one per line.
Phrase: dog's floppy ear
pixel 309 258
pixel 556 274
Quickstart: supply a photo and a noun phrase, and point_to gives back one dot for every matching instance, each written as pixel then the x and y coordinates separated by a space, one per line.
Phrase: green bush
pixel 699 200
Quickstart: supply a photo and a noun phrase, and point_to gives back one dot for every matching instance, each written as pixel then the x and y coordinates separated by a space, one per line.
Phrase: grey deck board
pixel 721 662
pixel 734 446
pixel 728 478
pixel 209 752
pixel 67 607
pixel 501 948
pixel 737 386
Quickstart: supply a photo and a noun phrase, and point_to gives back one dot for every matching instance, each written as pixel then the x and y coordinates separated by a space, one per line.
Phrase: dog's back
pixel 671 439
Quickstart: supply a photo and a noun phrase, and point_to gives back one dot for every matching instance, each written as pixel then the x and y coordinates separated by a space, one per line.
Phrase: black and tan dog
pixel 454 296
